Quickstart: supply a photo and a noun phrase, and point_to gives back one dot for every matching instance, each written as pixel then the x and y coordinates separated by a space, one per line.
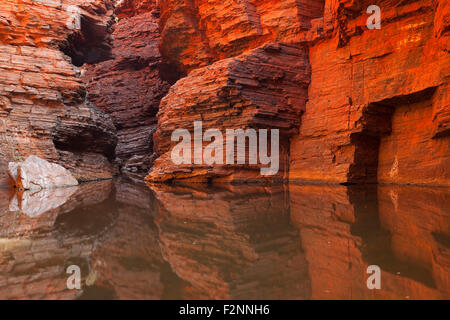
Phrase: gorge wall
pixel 365 105
pixel 378 107
pixel 43 102
pixel 129 87
pixel 105 91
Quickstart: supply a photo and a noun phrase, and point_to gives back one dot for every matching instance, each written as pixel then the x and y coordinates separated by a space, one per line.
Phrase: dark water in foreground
pixel 241 242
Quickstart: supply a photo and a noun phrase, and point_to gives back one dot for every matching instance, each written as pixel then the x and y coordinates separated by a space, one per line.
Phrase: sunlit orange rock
pixel 375 102
pixel 128 8
pixel 265 88
pixel 197 33
pixel 377 105
pixel 378 102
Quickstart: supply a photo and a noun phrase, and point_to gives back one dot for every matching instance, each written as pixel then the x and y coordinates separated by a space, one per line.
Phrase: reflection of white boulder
pixel 35 174
pixel 34 204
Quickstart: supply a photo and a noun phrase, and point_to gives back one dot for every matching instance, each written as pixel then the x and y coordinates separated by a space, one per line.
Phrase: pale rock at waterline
pixel 35 174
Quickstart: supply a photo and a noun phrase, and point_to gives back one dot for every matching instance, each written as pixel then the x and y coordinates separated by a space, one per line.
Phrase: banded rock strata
pixel 354 105
pixel 43 105
pixel 376 109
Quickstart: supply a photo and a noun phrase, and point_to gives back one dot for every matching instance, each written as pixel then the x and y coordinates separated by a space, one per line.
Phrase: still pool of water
pixel 225 242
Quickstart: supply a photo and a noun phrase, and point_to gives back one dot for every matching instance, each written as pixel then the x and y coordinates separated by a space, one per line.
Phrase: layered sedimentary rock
pixel 403 230
pixel 377 106
pixel 262 89
pixel 128 8
pixel 197 33
pixel 234 243
pixel 353 104
pixel 43 106
pixel 129 86
pixel 378 102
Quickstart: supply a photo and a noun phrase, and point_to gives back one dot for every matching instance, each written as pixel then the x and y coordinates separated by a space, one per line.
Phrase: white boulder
pixel 36 174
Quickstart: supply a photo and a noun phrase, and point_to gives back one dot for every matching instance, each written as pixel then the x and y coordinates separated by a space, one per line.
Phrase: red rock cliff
pixel 376 108
pixel 43 105
pixel 378 102
pixel 353 105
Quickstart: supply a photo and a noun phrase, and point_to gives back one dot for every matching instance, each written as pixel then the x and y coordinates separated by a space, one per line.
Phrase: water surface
pixel 227 242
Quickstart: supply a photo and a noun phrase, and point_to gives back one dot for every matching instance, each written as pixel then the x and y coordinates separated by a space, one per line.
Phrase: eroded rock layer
pixel 353 104
pixel 43 106
pixel 199 32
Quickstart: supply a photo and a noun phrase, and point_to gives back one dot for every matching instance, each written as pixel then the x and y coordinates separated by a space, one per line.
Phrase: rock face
pixel 43 106
pixel 36 174
pixel 129 87
pixel 265 88
pixel 376 109
pixel 353 104
pixel 197 33
pixel 378 101
pixel 261 88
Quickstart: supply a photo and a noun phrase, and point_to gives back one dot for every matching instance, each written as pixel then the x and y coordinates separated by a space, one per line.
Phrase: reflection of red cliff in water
pixel 404 230
pixel 36 251
pixel 129 264
pixel 231 243
pixel 108 233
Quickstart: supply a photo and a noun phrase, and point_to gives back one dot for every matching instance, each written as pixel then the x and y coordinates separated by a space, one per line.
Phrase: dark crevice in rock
pixel 171 73
pixel 89 45
pixel 376 123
